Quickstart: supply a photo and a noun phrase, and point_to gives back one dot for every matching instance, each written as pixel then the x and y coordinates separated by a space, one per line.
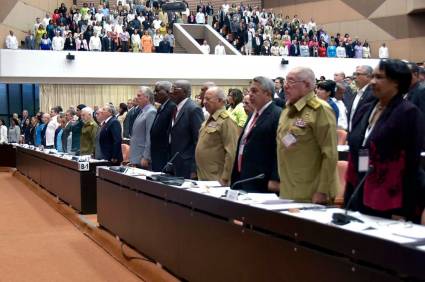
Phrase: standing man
pixel 279 94
pixel 256 150
pixel 24 118
pixel 140 142
pixel 12 41
pixel 131 116
pixel 76 131
pixel 216 148
pixel 51 127
pixel 67 131
pixel 88 132
pixel 110 135
pixel 306 142
pixel 339 77
pixel 204 89
pixel 160 147
pixel 184 131
pixel 364 94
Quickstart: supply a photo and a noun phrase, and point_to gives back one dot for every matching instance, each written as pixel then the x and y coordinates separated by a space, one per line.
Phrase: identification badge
pixel 363 160
pixel 232 195
pixel 288 140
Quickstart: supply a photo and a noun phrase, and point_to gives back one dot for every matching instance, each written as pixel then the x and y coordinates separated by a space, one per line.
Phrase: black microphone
pixel 260 176
pixel 344 218
pixel 169 165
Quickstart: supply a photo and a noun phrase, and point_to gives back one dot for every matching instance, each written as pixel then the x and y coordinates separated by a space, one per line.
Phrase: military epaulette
pixel 224 114
pixel 314 103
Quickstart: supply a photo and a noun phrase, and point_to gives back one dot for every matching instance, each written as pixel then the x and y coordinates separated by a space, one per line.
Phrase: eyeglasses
pixel 359 73
pixel 292 82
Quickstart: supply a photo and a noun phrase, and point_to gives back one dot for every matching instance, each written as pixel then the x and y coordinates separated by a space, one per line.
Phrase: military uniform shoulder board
pixel 224 114
pixel 314 103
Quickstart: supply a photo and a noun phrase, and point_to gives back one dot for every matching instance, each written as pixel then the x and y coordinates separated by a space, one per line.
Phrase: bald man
pixel 306 142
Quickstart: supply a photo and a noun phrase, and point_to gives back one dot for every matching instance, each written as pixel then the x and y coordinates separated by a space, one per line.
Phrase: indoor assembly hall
pixel 212 140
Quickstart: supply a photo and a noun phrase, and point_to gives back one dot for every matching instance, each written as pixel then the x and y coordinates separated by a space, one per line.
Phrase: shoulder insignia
pixel 224 114
pixel 314 103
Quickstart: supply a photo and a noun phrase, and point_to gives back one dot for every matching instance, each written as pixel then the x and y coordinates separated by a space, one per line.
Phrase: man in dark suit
pixel 131 116
pixel 185 124
pixel 256 151
pixel 364 94
pixel 416 93
pixel 70 44
pixel 66 134
pixel 160 147
pixel 110 135
pixel 279 93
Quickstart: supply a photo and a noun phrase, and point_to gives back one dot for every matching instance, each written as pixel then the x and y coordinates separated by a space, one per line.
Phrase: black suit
pixel 366 98
pixel 259 154
pixel 131 116
pixel 110 140
pixel 69 44
pixel 184 137
pixel 160 147
pixel 280 100
pixel 294 50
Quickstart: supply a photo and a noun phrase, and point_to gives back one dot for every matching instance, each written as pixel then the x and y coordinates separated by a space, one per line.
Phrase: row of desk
pixel 199 237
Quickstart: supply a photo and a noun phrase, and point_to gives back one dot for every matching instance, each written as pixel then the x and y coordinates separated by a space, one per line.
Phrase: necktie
pixel 244 140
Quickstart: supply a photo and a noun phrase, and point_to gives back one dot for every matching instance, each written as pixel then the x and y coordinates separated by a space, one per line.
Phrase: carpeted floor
pixel 39 244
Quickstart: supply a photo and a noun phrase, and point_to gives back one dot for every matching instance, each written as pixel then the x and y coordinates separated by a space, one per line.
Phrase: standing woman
pixel 38 129
pixel 3 132
pixel 122 114
pixel 14 131
pixel 147 43
pixel 387 134
pixel 27 132
pixel 236 109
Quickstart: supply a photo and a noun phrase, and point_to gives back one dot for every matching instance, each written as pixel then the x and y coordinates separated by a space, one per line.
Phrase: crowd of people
pixel 287 129
pixel 145 27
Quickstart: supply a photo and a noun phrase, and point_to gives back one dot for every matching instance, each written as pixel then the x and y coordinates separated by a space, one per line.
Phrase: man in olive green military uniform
pixel 306 142
pixel 218 136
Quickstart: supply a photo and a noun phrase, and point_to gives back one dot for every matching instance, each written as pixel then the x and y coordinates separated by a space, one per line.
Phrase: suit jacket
pixel 259 155
pixel 160 147
pixel 140 142
pixel 131 116
pixel 110 140
pixel 280 100
pixel 294 50
pixel 65 135
pixel 184 137
pixel 69 44
pixel 366 98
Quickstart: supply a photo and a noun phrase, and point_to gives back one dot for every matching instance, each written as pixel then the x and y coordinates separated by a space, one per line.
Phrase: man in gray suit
pixel 140 146
pixel 184 131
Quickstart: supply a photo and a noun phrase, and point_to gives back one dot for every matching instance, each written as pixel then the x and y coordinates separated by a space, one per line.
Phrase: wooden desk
pixel 61 177
pixel 7 155
pixel 195 238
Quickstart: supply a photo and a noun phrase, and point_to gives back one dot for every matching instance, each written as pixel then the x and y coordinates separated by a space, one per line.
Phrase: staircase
pixel 179 49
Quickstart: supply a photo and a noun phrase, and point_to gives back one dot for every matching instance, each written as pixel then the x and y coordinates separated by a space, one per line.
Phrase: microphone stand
pixel 344 218
pixel 260 176
pixel 166 169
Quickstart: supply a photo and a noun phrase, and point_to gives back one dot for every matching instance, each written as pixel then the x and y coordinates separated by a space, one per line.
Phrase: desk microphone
pixel 344 218
pixel 260 176
pixel 169 165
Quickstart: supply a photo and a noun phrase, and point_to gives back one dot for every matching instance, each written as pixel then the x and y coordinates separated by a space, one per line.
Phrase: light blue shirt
pixel 59 141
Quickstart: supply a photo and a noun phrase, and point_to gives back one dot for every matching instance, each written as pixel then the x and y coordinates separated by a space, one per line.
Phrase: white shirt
pixel 50 131
pixel 11 42
pixel 58 43
pixel 383 52
pixel 106 120
pixel 200 18
pixel 219 50
pixel 95 43
pixel 46 22
pixel 340 52
pixel 342 118
pixel 156 24
pixel 99 17
pixel 3 134
pixel 205 49
pixel 356 103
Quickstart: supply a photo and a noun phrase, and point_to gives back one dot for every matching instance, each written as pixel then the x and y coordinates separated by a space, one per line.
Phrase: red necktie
pixel 244 139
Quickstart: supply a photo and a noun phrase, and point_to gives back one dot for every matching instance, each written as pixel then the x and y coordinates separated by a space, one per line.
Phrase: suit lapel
pixel 181 113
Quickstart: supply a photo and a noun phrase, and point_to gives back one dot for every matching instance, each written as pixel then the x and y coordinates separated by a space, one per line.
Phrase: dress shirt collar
pixel 106 121
pixel 361 91
pixel 181 104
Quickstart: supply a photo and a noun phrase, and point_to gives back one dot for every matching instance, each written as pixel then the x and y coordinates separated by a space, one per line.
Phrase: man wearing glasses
pixel 306 142
pixel 362 78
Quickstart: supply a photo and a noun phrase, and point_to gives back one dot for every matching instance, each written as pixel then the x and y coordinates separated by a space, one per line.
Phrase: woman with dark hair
pixel 236 110
pixel 325 90
pixel 38 129
pixel 27 131
pixel 385 147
